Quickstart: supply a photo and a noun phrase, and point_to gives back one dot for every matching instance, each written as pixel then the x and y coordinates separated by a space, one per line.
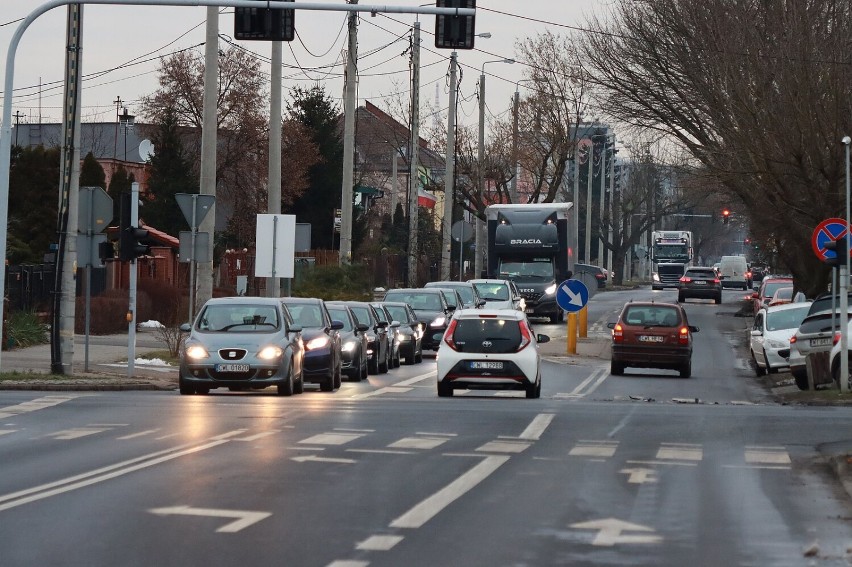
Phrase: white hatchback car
pixel 500 294
pixel 490 349
pixel 770 335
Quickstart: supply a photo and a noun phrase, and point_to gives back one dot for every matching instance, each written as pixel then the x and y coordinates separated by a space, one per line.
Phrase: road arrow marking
pixel 573 298
pixel 639 476
pixel 609 532
pixel 245 518
pixel 322 459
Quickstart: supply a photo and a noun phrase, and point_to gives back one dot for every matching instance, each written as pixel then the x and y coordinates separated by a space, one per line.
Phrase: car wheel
pixel 534 390
pixel 444 390
pixel 185 389
pixel 397 362
pixel 338 376
pixel 383 367
pixel 759 370
pixel 202 391
pixel 286 388
pixel 802 382
pixel 418 358
pixel 299 385
pixel 680 298
pixel 409 358
pixel 686 369
pixel 616 368
pixel 358 375
pixel 769 369
pixel 718 299
pixel 373 364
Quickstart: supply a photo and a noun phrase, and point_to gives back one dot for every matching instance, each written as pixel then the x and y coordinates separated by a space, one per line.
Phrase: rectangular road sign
pixel 275 242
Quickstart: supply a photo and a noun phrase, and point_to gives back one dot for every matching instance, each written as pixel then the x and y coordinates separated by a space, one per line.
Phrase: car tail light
pixel 448 335
pixel 526 336
pixel 600 276
pixel 618 333
pixel 685 279
pixel 717 280
pixel 747 274
pixel 835 339
pixel 793 339
pixel 683 335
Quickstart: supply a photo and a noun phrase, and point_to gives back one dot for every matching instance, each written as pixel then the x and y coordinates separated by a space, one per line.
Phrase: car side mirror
pixel 295 328
pixel 451 307
pixel 185 327
pixel 394 324
pixel 336 325
pixel 610 325
pixel 756 333
pixel 361 327
pixel 542 338
pixel 693 328
pixel 480 303
pixel 381 325
pixel 754 295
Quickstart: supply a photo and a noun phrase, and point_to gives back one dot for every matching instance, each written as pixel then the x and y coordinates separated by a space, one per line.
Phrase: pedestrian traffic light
pixel 265 24
pixel 455 32
pixel 726 215
pixel 840 247
pixel 129 247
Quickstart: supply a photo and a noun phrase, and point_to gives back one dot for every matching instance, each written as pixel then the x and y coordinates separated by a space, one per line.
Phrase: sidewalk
pixel 587 348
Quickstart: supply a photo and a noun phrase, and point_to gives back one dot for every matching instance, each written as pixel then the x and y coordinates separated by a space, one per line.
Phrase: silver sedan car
pixel 242 343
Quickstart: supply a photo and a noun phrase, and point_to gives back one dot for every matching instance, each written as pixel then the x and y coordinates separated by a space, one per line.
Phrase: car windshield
pixel 308 315
pixel 398 313
pixel 786 319
pixel 226 318
pixel 340 314
pixel 362 314
pixel 450 296
pixel 783 293
pixel 493 291
pixel 487 335
pixel 652 316
pixel 537 267
pixel 772 287
pixel 380 314
pixel 425 301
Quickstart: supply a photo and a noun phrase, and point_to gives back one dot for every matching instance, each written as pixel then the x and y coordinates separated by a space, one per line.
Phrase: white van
pixel 734 272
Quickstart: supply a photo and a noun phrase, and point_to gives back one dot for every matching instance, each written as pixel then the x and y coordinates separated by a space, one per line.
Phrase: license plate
pixel 699 282
pixel 486 365
pixel 232 368
pixel 821 342
pixel 530 311
pixel 651 338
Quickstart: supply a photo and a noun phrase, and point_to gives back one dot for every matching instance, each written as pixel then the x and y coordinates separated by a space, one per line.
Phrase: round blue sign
pixel 572 295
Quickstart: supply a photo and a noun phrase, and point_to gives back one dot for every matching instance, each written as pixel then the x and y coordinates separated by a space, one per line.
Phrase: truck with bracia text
pixel 531 244
pixel 671 255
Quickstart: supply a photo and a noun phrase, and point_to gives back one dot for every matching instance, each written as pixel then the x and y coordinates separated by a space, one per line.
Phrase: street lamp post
pixel 480 226
pixel 126 121
pixel 844 287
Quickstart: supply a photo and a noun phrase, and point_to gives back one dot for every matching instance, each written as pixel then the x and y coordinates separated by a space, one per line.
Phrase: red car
pixel 768 287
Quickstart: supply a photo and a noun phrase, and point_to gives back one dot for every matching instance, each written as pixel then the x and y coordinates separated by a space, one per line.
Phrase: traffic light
pixel 106 250
pixel 726 215
pixel 455 32
pixel 747 241
pixel 129 247
pixel 840 247
pixel 264 24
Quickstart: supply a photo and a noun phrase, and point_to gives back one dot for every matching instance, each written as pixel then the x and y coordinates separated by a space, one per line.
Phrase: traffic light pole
pixel 131 308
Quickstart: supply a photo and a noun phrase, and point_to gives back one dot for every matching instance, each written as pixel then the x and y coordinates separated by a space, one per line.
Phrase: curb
pixel 840 464
pixel 83 387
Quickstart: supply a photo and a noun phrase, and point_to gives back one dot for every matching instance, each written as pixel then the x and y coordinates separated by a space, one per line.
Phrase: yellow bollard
pixel 572 334
pixel 584 322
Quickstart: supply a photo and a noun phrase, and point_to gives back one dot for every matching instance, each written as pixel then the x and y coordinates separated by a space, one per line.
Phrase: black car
pixel 453 297
pixel 596 271
pixel 467 291
pixel 378 342
pixel 393 334
pixel 353 341
pixel 700 283
pixel 431 308
pixel 322 341
pixel 409 332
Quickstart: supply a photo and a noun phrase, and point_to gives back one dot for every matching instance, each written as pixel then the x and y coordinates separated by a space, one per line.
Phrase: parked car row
pixel 244 343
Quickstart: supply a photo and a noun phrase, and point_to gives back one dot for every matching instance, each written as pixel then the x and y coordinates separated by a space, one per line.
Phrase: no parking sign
pixel 825 232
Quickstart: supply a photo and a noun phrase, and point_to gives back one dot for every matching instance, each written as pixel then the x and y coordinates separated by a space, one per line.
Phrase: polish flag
pixel 426 199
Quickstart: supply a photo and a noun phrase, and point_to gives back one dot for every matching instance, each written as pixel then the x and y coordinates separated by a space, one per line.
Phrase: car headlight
pixel 404 337
pixel 270 353
pixel 656 277
pixel 776 344
pixel 196 352
pixel 550 290
pixel 315 343
pixel 438 321
pixel 349 346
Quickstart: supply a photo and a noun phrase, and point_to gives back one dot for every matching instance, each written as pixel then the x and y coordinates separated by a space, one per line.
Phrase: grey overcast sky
pixel 122 46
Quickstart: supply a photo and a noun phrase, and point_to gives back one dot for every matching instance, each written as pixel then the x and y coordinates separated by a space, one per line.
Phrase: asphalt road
pixel 601 470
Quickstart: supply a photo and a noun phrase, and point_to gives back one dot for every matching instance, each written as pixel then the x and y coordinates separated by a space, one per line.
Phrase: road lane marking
pixel 416 379
pixel 430 434
pixel 381 451
pixel 594 449
pixel 314 458
pixel 244 518
pixel 432 505
pixel 418 442
pixel 331 439
pixel 379 543
pixel 538 425
pixel 36 404
pixel 589 385
pixel 676 463
pixel 504 447
pixel 76 433
pixel 354 430
pixel 640 476
pixel 380 391
pixel 134 435
pixel 7 431
pixel 767 456
pixel 257 436
pixel 609 532
pixel 680 452
pixel 347 563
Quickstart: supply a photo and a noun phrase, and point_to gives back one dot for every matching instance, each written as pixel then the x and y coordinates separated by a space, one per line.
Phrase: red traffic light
pixel 726 213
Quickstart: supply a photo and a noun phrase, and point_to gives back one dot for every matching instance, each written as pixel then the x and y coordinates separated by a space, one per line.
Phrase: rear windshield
pixel 652 315
pixel 820 323
pixel 772 287
pixel 706 274
pixel 340 314
pixel 786 319
pixel 426 301
pixel 487 335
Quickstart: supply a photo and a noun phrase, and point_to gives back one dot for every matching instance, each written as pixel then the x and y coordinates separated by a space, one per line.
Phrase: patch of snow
pixel 151 325
pixel 150 362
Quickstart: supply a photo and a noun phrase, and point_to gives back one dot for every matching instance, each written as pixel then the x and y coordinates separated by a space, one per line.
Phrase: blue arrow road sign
pixel 572 295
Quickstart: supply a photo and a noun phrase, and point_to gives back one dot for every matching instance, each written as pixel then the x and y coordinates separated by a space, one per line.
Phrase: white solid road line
pixel 431 506
pixel 537 426
pixel 416 379
pixel 589 385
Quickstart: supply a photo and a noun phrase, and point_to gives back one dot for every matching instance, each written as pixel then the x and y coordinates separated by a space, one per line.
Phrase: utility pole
pixel 117 102
pixel 273 201
pixel 18 115
pixel 62 324
pixel 575 242
pixel 479 226
pixel 208 148
pixel 349 104
pixel 602 205
pixel 590 168
pixel 413 154
pixel 513 188
pixel 449 175
pixel 612 209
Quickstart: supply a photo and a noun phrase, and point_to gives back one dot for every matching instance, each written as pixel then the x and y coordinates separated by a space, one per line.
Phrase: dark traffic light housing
pixel 455 32
pixel 129 247
pixel 726 215
pixel 840 247
pixel 264 24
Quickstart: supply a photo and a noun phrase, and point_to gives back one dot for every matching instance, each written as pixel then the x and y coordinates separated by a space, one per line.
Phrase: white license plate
pixel 699 282
pixel 486 365
pixel 821 342
pixel 232 368
pixel 651 338
pixel 530 311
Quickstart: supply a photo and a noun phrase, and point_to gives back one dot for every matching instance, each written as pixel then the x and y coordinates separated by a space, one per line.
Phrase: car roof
pixel 415 289
pixel 394 303
pixel 513 314
pixel 489 280
pixel 786 306
pixel 652 304
pixel 295 300
pixel 244 300
pixel 448 284
pixel 702 268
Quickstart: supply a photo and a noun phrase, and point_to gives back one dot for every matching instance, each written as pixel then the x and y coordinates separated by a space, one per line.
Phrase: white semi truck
pixel 671 254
